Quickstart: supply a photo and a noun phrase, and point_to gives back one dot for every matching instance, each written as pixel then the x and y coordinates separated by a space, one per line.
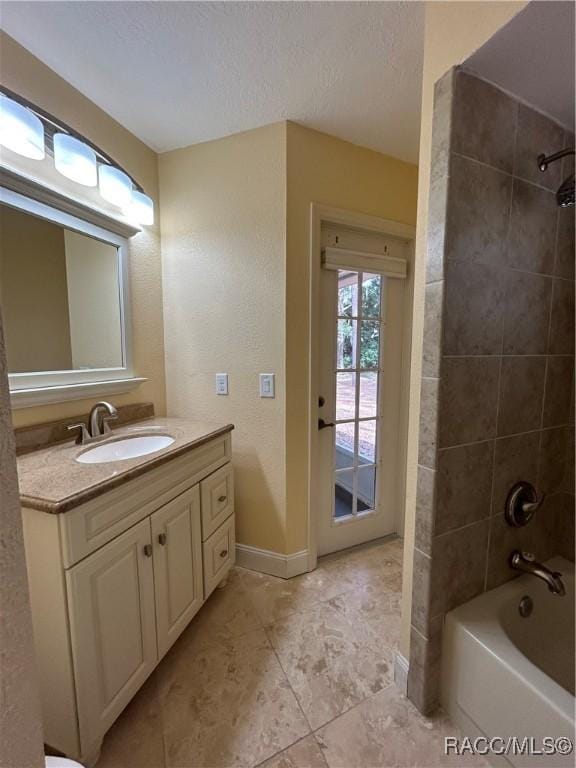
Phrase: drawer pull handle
pixel 224 553
pixel 162 538
pixel 222 498
pixel 148 550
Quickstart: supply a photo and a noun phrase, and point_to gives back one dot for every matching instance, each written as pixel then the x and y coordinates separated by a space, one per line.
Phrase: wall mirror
pixel 65 304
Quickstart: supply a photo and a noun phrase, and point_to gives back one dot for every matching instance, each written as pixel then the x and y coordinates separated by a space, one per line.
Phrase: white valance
pixel 341 258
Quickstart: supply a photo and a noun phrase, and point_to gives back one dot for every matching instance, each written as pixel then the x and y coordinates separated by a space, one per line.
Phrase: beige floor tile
pixel 381 610
pixel 303 754
pixel 276 599
pixel 227 703
pixel 229 612
pixel 372 565
pixel 387 731
pixel 331 657
pixel 135 740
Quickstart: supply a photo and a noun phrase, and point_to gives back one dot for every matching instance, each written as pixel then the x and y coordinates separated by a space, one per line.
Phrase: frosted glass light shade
pixel 20 130
pixel 75 160
pixel 114 185
pixel 141 208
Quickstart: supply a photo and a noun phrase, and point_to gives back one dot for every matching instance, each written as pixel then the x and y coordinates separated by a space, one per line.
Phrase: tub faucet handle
pixel 522 503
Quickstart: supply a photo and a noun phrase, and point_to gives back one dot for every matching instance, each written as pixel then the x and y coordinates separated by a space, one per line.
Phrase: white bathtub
pixel 508 676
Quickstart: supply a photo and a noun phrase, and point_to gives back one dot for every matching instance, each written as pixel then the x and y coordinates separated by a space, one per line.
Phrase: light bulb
pixel 20 129
pixel 114 185
pixel 141 209
pixel 75 160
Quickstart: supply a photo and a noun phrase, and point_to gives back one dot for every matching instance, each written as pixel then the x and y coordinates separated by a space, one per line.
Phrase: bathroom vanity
pixel 121 555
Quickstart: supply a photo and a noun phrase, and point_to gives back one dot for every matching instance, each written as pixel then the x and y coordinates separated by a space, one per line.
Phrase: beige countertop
pixel 52 480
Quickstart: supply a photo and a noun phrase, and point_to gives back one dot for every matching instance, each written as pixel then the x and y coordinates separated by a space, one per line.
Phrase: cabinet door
pixel 112 622
pixel 177 565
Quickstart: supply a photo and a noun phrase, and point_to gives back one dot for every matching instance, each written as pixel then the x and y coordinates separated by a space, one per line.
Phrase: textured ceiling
pixel 177 73
pixel 533 58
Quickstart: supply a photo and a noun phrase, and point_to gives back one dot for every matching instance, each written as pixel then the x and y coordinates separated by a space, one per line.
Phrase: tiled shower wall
pixel 498 369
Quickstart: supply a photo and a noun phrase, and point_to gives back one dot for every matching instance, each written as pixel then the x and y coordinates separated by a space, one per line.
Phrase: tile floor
pixel 285 674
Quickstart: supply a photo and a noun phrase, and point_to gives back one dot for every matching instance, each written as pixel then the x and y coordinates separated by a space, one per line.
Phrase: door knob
pixel 148 550
pixel 162 538
pixel 324 424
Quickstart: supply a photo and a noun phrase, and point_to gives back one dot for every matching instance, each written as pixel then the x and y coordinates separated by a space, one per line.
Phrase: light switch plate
pixel 221 383
pixel 267 385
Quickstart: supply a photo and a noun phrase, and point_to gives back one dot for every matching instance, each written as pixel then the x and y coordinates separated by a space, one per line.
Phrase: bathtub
pixel 506 676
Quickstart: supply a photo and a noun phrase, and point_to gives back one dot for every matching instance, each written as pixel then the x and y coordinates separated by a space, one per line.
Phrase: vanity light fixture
pixel 20 129
pixel 75 159
pixel 32 132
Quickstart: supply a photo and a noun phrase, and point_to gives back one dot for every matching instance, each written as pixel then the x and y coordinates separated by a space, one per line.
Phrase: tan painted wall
pixel 324 169
pixel 223 245
pixel 453 31
pixel 33 293
pixel 26 75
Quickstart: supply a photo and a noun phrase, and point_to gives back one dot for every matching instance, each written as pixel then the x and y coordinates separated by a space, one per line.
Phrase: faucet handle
pixel 83 436
pixel 521 504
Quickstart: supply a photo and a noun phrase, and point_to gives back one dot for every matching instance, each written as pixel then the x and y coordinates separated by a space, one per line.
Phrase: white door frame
pixel 323 214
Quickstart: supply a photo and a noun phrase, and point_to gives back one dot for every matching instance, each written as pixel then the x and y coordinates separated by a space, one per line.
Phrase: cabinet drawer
pixel 218 555
pixel 217 494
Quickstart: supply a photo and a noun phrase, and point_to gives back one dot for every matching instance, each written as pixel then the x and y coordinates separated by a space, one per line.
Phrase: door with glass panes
pixel 358 406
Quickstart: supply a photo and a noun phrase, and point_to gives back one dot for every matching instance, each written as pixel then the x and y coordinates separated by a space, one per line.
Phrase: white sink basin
pixel 127 448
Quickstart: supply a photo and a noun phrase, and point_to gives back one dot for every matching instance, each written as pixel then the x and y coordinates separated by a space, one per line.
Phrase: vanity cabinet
pixel 116 580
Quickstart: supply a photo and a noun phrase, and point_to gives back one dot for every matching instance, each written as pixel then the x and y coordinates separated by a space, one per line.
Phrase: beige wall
pixel 453 31
pixel 26 75
pixel 223 245
pixel 324 169
pixel 33 293
pixel 235 238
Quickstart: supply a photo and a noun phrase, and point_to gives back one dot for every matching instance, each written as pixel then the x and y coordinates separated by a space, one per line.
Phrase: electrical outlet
pixel 267 385
pixel 221 383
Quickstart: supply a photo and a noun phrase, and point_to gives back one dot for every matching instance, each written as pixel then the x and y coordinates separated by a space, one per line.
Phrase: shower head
pixel 565 193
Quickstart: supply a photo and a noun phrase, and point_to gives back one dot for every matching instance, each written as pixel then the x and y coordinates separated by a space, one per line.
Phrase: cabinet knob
pixel 222 499
pixel 224 553
pixel 148 550
pixel 162 538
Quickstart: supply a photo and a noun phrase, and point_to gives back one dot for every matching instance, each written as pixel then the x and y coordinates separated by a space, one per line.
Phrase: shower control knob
pixel 522 503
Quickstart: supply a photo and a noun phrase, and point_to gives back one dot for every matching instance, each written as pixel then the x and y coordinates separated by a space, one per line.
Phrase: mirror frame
pixel 36 388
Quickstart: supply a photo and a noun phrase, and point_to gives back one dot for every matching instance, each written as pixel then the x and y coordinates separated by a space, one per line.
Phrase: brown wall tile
pixel 536 135
pixel 532 237
pixel 521 394
pixel 562 320
pixel 463 486
pixel 473 309
pixel 558 390
pixel 515 459
pixel 526 313
pixel 478 213
pixel 428 423
pixel 468 399
pixel 484 122
pixel 458 567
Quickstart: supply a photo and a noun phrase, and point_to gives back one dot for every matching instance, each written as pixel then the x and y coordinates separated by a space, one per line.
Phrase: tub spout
pixel 526 562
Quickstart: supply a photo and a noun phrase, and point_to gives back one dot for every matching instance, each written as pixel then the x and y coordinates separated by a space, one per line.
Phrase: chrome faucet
pixel 100 415
pixel 526 562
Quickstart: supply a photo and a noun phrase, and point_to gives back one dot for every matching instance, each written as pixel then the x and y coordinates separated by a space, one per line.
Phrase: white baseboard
pixel 401 666
pixel 265 561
